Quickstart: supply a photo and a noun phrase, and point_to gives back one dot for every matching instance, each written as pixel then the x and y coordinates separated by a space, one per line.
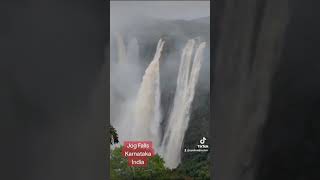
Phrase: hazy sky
pixel 161 9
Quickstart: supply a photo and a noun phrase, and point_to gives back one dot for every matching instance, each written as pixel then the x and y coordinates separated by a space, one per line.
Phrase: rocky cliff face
pixel 265 93
pixel 53 94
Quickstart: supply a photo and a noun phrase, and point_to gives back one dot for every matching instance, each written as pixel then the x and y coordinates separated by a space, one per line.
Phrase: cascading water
pixel 133 51
pixel 140 116
pixel 179 117
pixel 147 110
pixel 125 80
pixel 122 55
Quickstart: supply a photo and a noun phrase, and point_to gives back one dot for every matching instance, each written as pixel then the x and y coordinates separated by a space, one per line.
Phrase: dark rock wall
pixel 290 143
pixel 266 90
pixel 249 37
pixel 53 94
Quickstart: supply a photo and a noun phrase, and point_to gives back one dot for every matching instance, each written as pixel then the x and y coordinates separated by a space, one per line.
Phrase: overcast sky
pixel 160 9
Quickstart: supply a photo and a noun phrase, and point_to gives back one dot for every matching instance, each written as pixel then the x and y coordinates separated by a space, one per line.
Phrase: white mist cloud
pixel 160 9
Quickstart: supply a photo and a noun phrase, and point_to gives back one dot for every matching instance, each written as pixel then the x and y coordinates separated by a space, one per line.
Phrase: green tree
pixel 113 136
pixel 197 167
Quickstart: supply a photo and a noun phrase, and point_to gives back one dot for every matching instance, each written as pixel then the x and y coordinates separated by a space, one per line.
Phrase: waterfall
pixel 133 51
pixel 147 109
pixel 179 117
pixel 141 117
pixel 122 56
pixel 125 78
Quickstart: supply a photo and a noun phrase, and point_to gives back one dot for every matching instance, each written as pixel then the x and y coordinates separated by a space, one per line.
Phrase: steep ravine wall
pixel 249 37
pixel 266 90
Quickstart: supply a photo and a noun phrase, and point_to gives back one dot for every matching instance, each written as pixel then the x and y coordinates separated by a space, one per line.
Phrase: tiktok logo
pixel 203 140
pixel 202 147
pixel 202 144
